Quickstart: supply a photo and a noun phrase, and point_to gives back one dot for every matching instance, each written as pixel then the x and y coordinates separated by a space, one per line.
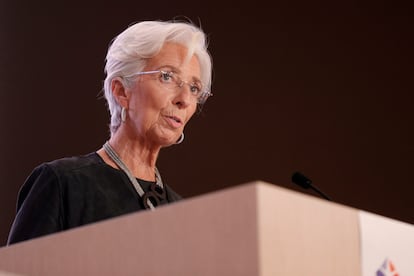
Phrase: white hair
pixel 131 49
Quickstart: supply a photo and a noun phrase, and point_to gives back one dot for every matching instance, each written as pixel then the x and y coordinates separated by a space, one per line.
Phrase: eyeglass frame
pixel 201 99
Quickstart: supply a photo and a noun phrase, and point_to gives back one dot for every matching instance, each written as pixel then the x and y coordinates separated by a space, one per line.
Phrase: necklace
pixel 114 156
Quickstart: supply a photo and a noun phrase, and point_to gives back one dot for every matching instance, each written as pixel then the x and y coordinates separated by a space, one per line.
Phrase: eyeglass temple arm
pixel 143 73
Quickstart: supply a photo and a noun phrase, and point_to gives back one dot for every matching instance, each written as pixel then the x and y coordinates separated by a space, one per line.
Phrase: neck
pixel 138 156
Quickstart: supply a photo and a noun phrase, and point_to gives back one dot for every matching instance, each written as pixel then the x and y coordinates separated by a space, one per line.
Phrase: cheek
pixel 191 112
pixel 150 101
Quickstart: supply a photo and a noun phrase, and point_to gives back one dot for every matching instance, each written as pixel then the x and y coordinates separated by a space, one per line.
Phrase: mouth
pixel 173 121
pixel 178 120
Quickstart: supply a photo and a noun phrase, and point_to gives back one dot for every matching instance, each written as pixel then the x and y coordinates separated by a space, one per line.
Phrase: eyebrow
pixel 177 71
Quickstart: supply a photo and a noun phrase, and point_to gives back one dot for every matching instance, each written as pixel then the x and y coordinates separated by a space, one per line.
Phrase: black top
pixel 75 191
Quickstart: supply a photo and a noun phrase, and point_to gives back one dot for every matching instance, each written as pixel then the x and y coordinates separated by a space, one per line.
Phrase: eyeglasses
pixel 171 81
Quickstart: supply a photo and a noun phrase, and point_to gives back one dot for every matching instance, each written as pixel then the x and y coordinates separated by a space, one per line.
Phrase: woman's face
pixel 156 115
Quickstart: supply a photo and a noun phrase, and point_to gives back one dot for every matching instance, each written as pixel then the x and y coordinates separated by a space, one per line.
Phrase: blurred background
pixel 325 89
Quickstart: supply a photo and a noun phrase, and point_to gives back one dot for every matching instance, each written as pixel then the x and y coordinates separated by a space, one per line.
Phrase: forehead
pixel 175 55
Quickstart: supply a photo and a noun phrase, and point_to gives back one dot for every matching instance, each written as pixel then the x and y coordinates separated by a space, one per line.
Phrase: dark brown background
pixel 325 89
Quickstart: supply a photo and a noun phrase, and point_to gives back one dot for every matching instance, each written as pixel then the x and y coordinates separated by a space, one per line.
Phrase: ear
pixel 120 92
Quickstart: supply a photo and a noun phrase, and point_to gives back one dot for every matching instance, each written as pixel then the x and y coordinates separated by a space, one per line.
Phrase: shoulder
pixel 54 174
pixel 74 163
pixel 48 173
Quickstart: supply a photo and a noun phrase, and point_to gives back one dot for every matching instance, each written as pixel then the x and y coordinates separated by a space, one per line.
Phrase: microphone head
pixel 301 180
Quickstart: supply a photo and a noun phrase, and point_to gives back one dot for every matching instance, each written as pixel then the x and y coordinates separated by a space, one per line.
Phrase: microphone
pixel 306 183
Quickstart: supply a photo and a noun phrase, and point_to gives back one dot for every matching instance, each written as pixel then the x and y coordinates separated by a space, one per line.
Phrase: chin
pixel 167 139
pixel 166 145
pixel 168 142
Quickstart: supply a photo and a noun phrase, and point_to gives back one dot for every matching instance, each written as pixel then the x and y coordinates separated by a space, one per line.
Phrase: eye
pixel 166 76
pixel 195 88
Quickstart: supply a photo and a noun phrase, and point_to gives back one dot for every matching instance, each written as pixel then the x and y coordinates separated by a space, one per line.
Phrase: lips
pixel 178 120
pixel 173 121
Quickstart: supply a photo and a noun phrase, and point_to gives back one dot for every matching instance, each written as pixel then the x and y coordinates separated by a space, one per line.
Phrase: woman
pixel 157 73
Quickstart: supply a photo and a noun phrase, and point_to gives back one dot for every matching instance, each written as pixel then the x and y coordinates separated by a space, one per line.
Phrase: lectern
pixel 251 229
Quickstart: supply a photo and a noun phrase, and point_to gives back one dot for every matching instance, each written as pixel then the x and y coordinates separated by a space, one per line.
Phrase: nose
pixel 181 83
pixel 183 95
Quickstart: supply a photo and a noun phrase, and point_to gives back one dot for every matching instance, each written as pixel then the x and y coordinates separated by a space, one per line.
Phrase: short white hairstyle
pixel 129 52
